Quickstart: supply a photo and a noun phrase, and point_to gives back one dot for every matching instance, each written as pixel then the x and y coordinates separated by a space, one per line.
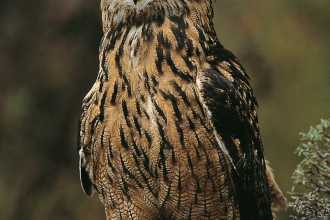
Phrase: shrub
pixel 313 174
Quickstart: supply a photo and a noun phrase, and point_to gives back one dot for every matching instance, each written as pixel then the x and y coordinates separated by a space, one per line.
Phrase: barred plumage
pixel 169 129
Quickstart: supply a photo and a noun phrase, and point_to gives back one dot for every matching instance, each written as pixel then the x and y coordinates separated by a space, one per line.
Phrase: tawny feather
pixel 169 129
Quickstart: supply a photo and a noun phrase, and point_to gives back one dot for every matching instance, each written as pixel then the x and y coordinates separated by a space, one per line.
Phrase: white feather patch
pixel 140 4
pixel 223 148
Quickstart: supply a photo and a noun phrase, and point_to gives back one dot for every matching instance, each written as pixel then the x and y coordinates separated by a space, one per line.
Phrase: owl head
pixel 138 12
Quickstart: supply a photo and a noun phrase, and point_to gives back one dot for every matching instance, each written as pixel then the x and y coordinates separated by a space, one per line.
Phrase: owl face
pixel 146 10
pixel 134 13
pixel 138 4
pixel 131 12
pixel 137 12
pixel 134 4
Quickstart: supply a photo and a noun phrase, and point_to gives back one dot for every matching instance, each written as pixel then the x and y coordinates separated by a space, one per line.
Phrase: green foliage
pixel 313 173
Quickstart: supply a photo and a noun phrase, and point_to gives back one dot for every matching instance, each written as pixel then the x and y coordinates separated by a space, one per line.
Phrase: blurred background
pixel 49 61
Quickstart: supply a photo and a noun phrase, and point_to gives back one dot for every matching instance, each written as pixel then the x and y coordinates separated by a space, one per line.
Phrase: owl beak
pixel 135 1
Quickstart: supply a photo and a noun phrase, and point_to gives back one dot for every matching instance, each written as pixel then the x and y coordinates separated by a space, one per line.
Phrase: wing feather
pixel 227 94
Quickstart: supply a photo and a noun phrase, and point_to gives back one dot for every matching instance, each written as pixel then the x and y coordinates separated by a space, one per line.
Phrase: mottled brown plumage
pixel 169 130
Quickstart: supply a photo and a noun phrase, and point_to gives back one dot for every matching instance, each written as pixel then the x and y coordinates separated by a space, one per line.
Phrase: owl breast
pixel 151 137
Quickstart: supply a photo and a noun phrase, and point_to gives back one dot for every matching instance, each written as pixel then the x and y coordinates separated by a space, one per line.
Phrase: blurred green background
pixel 49 61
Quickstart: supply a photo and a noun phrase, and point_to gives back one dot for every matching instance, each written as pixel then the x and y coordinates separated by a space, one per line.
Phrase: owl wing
pixel 87 126
pixel 85 162
pixel 229 98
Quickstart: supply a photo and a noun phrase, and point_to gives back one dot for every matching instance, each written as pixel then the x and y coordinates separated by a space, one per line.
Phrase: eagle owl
pixel 169 130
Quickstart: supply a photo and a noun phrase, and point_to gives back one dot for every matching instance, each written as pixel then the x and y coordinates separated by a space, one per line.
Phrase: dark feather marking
pixel 136 149
pixel 131 214
pixel 180 189
pixel 176 71
pixel 180 132
pixel 101 83
pixel 120 213
pixel 138 109
pixel 199 103
pixel 109 46
pixel 163 161
pixel 146 162
pixel 125 111
pixel 148 138
pixel 96 101
pixel 160 112
pixel 199 145
pixel 119 53
pixel 167 196
pixel 111 165
pixel 147 32
pixel 154 80
pixel 130 42
pixel 190 212
pixel 137 125
pixel 162 134
pixel 94 124
pixel 179 37
pixel 191 166
pixel 113 35
pixel 143 99
pixel 198 187
pixel 129 173
pixel 123 139
pixel 189 48
pixel 179 21
pixel 137 46
pixel 173 157
pixel 114 94
pixel 170 216
pixel 110 180
pixel 146 114
pixel 124 188
pixel 188 63
pixel 88 99
pixel 175 107
pixel 102 138
pixel 101 114
pixel 146 81
pixel 160 17
pixel 129 90
pixel 200 34
pixel 136 160
pixel 146 180
pixel 173 101
pixel 198 53
pixel 195 115
pixel 180 92
pixel 123 87
pixel 207 129
pixel 191 124
pixel 163 41
pixel 212 181
pixel 110 150
pixel 159 60
pixel 103 61
pixel 156 174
